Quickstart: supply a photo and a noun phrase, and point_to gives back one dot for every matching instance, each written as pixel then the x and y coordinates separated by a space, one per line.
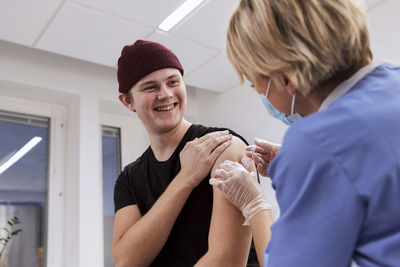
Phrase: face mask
pixel 288 120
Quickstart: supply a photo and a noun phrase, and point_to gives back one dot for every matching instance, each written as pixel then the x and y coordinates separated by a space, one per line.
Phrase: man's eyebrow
pixel 146 83
pixel 172 76
pixel 153 82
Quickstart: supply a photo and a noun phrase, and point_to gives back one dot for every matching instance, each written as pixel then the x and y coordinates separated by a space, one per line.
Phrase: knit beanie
pixel 142 58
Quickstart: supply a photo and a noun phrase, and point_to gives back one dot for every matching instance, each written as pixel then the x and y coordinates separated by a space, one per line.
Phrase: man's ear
pixel 127 101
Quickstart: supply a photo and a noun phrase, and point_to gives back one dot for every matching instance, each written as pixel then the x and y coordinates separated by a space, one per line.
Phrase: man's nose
pixel 164 92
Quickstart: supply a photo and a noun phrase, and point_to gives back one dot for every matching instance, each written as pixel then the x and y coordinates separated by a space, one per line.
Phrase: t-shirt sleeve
pixel 122 194
pixel 239 136
pixel 321 212
pixel 215 129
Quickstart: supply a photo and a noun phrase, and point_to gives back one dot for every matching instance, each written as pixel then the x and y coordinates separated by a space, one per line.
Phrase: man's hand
pixel 199 155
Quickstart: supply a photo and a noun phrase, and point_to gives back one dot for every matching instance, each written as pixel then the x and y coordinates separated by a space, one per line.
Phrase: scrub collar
pixel 346 85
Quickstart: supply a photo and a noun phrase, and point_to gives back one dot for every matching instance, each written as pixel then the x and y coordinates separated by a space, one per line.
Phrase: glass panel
pixel 23 187
pixel 111 169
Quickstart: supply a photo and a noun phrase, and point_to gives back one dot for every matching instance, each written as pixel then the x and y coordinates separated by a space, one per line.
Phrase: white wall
pixel 240 109
pixel 384 31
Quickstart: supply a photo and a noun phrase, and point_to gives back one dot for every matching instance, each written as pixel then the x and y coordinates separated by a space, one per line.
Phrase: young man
pixel 166 212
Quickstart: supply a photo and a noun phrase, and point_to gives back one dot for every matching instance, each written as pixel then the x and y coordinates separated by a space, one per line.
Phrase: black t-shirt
pixel 143 181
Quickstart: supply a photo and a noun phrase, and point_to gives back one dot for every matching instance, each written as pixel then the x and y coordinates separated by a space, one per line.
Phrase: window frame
pixel 55 172
pixel 127 126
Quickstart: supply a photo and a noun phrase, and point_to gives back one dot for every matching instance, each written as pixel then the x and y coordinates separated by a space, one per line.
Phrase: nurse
pixel 337 174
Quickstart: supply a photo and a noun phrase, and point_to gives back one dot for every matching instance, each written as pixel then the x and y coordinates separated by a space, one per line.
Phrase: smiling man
pixel 166 212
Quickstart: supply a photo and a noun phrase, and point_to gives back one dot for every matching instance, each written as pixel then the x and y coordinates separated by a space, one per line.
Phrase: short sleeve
pixel 239 136
pixel 214 129
pixel 321 212
pixel 122 194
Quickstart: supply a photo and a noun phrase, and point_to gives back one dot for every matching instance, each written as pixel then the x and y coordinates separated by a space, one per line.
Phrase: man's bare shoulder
pixel 234 152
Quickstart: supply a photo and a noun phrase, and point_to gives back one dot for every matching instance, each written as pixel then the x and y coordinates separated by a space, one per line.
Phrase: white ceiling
pixel 96 30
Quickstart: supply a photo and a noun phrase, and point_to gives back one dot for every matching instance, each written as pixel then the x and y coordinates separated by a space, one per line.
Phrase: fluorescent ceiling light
pixel 20 153
pixel 179 14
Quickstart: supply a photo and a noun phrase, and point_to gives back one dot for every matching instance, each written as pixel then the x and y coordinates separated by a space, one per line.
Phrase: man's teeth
pixel 165 108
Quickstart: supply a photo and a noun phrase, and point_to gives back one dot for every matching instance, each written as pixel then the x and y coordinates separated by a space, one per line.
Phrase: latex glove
pixel 241 188
pixel 262 152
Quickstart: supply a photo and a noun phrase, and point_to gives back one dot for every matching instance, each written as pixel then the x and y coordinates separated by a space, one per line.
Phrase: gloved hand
pixel 262 153
pixel 241 188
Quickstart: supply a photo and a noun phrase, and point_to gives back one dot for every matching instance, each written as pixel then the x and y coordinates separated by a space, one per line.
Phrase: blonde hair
pixel 309 41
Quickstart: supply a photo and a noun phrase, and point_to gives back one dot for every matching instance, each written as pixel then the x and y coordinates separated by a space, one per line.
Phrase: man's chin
pixel 165 126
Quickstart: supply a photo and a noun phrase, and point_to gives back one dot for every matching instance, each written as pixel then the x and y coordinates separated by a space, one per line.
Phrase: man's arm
pixel 229 241
pixel 137 240
pixel 241 188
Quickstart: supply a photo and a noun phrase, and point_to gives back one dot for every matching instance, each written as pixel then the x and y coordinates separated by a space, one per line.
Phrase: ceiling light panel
pixel 179 14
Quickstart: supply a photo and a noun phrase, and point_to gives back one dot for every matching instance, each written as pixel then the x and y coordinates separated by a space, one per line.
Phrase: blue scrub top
pixel 337 181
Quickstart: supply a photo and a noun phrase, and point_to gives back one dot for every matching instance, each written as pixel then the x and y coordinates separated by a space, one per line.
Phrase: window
pixel 111 157
pixel 24 186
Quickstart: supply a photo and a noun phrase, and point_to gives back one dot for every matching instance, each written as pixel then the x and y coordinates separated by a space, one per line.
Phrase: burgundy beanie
pixel 142 58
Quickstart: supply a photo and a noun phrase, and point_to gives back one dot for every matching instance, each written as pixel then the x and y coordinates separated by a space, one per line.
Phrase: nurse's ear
pixel 287 84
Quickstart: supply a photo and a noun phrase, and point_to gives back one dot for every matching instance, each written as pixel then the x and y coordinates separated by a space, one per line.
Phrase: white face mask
pixel 276 113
